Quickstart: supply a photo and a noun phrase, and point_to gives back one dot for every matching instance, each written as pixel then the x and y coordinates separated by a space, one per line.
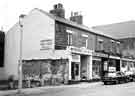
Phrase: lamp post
pixel 20 56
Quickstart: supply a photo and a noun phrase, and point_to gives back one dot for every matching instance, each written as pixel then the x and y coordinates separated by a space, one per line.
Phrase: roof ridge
pixel 114 23
pixel 81 26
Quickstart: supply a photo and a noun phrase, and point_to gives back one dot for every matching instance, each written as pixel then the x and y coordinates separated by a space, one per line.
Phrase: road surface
pixel 127 89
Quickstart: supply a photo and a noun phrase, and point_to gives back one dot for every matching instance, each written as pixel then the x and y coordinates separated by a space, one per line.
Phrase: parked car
pixel 115 78
pixel 133 77
pixel 129 75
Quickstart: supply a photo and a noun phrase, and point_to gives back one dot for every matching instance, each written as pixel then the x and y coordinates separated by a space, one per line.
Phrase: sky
pixel 95 12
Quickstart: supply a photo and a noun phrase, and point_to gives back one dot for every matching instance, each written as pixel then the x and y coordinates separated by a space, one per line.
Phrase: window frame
pixel 70 37
pixel 86 40
pixel 100 44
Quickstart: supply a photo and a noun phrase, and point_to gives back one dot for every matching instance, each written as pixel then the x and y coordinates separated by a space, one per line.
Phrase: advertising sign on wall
pixel 112 69
pixel 46 44
pixel 75 58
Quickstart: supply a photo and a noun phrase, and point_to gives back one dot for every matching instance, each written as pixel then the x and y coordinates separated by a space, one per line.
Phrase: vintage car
pixel 131 75
pixel 115 78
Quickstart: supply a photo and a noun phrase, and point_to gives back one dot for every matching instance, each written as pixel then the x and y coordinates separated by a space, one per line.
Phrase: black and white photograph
pixel 67 48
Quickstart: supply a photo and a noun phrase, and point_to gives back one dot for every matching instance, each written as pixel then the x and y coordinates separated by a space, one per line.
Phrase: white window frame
pixel 100 41
pixel 70 38
pixel 86 42
pixel 118 47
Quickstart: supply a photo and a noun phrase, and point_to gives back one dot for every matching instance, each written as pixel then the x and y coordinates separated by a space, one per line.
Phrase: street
pixel 127 89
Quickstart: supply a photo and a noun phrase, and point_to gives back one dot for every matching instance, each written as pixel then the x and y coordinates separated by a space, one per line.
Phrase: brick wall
pixel 61 39
pixel 109 45
pixel 79 40
pixel 128 47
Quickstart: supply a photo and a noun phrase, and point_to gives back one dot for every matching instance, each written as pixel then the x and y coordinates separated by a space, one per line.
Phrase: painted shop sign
pixel 112 69
pixel 80 50
pixel 114 57
pixel 100 54
pixel 46 44
pixel 75 58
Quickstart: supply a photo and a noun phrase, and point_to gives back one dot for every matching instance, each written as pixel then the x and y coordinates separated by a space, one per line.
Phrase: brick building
pixel 55 47
pixel 124 32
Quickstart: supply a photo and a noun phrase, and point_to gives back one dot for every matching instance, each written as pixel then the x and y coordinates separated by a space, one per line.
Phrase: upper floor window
pixel 118 47
pixel 112 45
pixel 70 37
pixel 100 44
pixel 85 40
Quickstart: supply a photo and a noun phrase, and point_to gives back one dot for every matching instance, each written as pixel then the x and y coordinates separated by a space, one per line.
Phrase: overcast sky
pixel 95 12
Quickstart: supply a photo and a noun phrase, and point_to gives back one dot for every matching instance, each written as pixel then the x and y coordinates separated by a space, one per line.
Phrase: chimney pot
pixel 75 17
pixel 58 10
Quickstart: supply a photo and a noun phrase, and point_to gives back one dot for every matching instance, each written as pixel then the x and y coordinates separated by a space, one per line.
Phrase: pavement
pixel 37 90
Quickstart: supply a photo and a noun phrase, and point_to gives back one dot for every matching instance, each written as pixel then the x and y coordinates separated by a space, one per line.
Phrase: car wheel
pixel 105 83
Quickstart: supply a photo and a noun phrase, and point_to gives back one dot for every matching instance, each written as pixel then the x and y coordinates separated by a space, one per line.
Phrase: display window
pixel 124 64
pixel 96 69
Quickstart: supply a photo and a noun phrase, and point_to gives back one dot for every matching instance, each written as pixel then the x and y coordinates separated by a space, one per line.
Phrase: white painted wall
pixel 37 26
pixel 2 74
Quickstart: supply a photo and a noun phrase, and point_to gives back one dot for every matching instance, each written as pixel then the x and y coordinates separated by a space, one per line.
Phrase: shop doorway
pixel 75 70
pixel 84 67
pixel 104 66
pixel 117 65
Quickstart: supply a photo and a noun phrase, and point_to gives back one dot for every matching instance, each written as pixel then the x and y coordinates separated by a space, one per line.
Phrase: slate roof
pixel 74 24
pixel 118 30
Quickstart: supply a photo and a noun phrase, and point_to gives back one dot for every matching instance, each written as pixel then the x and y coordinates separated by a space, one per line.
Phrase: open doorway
pixel 75 70
pixel 84 67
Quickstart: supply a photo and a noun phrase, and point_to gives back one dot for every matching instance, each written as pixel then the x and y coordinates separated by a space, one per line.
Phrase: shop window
pixel 105 65
pixel 134 64
pixel 124 64
pixel 96 69
pixel 112 63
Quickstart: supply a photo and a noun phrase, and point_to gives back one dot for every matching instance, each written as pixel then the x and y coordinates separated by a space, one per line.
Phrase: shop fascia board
pixel 126 59
pixel 114 57
pixel 77 50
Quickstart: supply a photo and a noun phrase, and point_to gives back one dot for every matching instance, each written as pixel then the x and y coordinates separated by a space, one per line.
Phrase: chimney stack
pixel 58 10
pixel 76 17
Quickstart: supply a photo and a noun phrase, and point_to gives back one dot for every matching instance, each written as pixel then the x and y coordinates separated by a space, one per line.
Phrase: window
pixel 118 47
pixel 70 37
pixel 85 41
pixel 100 44
pixel 124 64
pixel 112 45
pixel 96 68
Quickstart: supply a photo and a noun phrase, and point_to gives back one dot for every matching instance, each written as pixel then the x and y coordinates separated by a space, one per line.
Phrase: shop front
pixel 80 64
pixel 99 65
pixel 127 65
pixel 114 63
pixel 47 68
